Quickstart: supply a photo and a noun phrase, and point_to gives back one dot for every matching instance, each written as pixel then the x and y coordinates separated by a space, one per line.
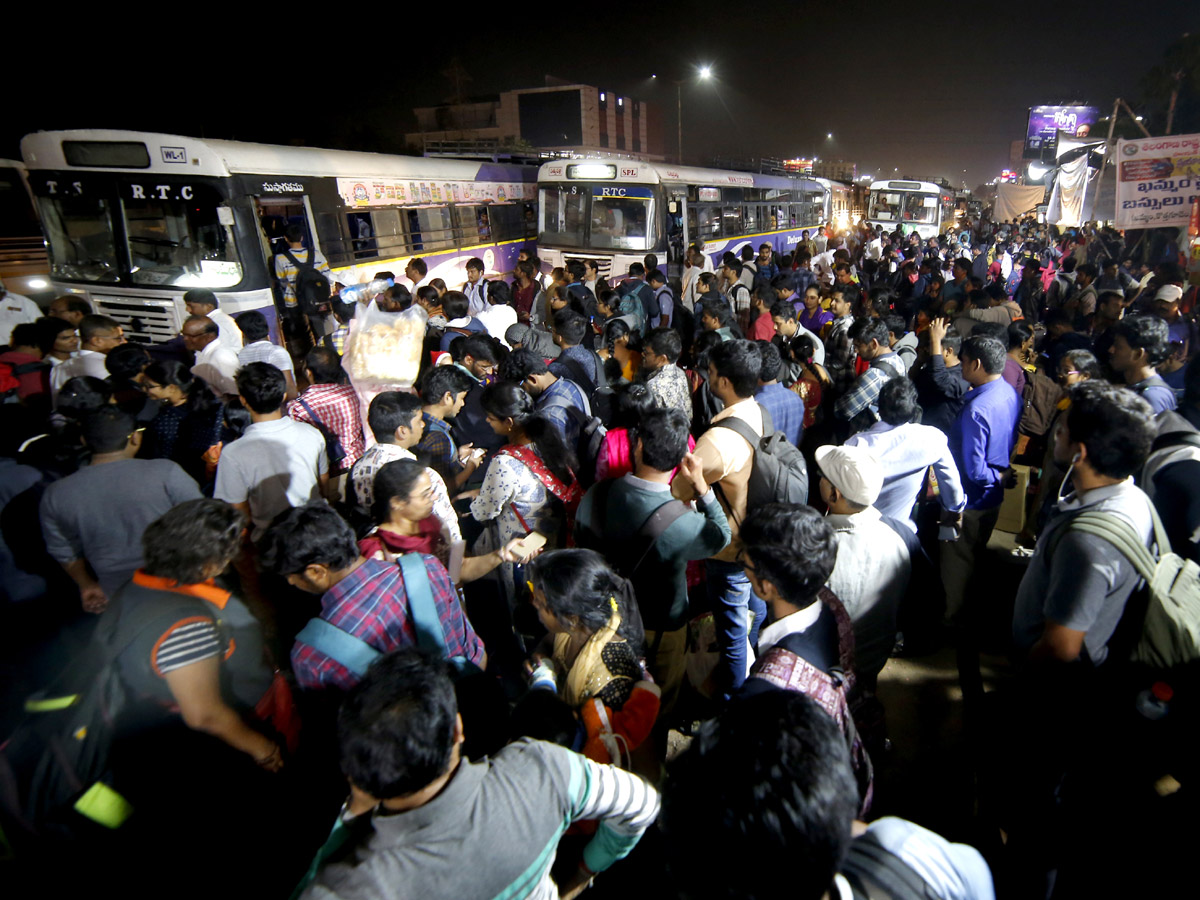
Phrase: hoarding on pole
pixel 1045 122
pixel 1158 180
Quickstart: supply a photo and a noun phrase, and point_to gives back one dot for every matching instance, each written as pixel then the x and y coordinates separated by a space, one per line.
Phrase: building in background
pixel 559 117
pixel 837 169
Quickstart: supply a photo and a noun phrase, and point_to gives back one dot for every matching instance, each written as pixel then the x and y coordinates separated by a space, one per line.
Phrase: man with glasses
pixel 215 363
pixel 98 335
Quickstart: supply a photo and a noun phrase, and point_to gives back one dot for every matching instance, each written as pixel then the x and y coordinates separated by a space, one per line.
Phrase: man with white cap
pixel 1181 331
pixel 873 565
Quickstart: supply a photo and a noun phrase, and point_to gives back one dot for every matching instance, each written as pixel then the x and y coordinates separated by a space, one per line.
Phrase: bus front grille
pixel 143 321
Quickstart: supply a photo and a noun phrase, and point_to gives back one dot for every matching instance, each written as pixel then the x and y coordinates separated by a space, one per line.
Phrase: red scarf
pixel 570 495
pixel 425 541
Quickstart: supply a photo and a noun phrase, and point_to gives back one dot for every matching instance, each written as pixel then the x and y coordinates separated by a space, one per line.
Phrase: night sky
pixel 936 89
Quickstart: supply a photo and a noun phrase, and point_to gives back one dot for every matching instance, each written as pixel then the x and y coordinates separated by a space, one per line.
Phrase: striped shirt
pixel 186 642
pixel 265 351
pixel 286 272
pixel 371 604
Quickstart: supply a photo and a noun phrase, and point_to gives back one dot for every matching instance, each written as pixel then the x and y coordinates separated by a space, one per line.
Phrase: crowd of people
pixel 613 518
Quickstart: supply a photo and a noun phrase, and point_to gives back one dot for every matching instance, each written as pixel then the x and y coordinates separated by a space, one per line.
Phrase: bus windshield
pixel 921 208
pixel 186 243
pixel 885 206
pixel 621 222
pixel 563 213
pixel 182 242
pixel 80 235
pixel 613 222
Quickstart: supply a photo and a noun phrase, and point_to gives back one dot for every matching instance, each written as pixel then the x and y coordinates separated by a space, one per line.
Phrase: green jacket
pixel 694 535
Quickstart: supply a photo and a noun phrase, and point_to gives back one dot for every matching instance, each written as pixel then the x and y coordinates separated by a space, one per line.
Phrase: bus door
pixel 676 232
pixel 275 214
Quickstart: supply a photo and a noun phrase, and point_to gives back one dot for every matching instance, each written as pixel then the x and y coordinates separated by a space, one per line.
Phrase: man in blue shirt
pixel 785 406
pixel 561 401
pixel 981 442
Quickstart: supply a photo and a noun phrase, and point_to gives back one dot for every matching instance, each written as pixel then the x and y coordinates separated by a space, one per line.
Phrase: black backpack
pixel 54 766
pixel 591 440
pixel 779 473
pixel 312 288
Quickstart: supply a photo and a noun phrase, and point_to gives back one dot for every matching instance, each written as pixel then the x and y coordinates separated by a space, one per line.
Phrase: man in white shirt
pixel 873 564
pixel 905 450
pixel 691 274
pixel 822 264
pixel 97 335
pixel 203 302
pixel 476 288
pixel 15 310
pixel 279 462
pixel 216 364
pixel 258 348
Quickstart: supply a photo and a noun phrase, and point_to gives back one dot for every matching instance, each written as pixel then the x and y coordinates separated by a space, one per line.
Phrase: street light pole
pixel 679 116
pixel 705 72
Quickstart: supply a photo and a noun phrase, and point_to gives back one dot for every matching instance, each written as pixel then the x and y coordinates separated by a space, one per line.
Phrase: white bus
pixel 920 206
pixel 615 211
pixel 133 219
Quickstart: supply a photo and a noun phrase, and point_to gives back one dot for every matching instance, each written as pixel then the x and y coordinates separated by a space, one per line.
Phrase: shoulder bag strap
pixel 312 414
pixel 869 864
pixel 340 646
pixel 422 611
pixel 657 523
pixel 1122 536
pixel 740 427
pixel 297 263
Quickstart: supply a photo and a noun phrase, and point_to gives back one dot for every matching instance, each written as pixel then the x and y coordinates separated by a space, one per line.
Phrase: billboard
pixel 1158 180
pixel 1045 122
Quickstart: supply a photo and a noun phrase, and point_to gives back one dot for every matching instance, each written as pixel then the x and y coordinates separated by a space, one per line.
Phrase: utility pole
pixel 679 116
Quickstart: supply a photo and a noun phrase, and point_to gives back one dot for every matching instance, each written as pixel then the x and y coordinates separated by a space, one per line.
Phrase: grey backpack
pixel 1170 633
pixel 779 473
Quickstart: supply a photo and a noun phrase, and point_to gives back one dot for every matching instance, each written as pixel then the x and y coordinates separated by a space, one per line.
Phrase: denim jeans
pixel 732 602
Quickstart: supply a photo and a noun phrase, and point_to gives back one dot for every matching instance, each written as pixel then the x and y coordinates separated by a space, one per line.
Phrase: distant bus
pixel 134 219
pixel 844 205
pixel 615 211
pixel 24 268
pixel 920 206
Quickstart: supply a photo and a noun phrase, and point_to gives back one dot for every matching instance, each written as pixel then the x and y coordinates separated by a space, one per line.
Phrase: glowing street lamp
pixel 704 73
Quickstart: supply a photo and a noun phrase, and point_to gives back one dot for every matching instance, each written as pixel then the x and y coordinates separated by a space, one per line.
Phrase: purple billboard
pixel 1045 122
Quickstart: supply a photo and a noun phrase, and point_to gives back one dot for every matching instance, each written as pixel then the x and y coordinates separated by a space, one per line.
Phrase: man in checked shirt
pixel 331 404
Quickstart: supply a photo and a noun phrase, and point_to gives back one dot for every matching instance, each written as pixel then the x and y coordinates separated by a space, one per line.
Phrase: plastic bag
pixel 384 348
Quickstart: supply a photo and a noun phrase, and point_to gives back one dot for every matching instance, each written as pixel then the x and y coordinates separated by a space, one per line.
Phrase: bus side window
pixel 389 233
pixel 434 223
pixel 414 229
pixel 731 224
pixel 361 234
pixel 334 244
